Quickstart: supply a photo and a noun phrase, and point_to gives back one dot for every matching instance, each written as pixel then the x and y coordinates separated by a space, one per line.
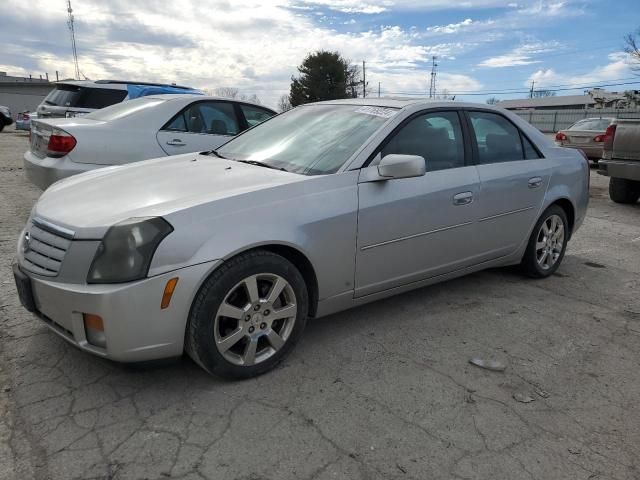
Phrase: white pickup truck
pixel 621 160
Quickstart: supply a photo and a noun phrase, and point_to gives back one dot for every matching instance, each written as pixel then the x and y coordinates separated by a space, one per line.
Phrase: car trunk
pixel 41 132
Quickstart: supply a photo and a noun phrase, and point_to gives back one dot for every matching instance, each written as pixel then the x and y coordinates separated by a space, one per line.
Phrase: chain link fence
pixel 550 121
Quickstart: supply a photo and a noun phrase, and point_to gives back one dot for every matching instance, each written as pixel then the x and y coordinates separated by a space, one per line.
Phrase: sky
pixel 483 46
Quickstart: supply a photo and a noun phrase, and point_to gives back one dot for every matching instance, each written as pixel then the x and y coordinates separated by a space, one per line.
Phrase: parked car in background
pixel 5 117
pixel 23 120
pixel 148 127
pixel 586 135
pixel 322 208
pixel 75 98
pixel 621 160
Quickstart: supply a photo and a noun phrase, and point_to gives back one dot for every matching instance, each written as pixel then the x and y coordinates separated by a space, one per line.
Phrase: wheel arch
pixel 569 210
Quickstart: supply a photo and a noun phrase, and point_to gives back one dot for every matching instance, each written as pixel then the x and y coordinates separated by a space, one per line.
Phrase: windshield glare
pixel 311 140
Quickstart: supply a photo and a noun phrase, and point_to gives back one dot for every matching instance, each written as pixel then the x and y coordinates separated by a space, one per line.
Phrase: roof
pixel 179 96
pixel 400 102
pixel 548 101
pixel 119 82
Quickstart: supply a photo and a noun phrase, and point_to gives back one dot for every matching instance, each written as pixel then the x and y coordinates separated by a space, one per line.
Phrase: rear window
pixel 63 96
pixel 124 109
pixel 80 97
pixel 596 124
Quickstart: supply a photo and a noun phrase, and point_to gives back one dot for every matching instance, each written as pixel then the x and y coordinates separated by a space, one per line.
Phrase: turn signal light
pixel 93 321
pixel 94 330
pixel 168 293
pixel 598 138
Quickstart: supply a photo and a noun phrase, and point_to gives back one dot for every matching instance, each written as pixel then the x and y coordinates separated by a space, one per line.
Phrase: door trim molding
pixel 415 235
pixel 491 217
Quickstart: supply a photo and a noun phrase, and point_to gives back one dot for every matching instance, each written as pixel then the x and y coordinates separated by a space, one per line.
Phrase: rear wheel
pixel 547 243
pixel 1 125
pixel 622 190
pixel 247 316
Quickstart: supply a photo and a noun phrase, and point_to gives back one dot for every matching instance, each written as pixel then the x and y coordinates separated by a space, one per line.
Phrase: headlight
pixel 126 251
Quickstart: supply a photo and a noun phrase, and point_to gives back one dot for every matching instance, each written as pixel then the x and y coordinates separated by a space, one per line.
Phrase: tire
pixel 209 340
pixel 534 262
pixel 622 190
pixel 1 126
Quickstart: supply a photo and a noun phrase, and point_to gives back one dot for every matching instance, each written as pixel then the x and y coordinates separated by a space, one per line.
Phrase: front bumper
pixel 627 169
pixel 135 327
pixel 42 172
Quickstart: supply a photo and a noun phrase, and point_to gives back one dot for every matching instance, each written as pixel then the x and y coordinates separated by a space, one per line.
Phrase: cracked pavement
pixel 382 391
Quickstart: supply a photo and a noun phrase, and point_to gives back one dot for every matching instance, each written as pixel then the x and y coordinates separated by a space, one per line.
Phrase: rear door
pixel 513 180
pixel 203 125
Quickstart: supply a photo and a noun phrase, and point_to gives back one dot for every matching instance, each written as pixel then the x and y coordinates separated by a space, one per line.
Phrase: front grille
pixel 43 250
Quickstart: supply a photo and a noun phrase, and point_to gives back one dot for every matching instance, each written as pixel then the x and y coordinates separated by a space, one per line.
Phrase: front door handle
pixel 463 198
pixel 176 142
pixel 535 182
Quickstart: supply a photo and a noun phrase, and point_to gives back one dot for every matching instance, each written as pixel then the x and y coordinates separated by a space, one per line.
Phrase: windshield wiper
pixel 215 152
pixel 262 164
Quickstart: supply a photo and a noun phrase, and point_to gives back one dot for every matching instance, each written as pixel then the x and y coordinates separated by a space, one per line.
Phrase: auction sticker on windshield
pixel 378 111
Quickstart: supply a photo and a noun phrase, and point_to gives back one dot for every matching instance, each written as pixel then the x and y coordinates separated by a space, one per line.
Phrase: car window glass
pixel 100 97
pixel 497 138
pixel 63 96
pixel 177 124
pixel 216 118
pixel 529 150
pixel 596 124
pixel 437 137
pixel 254 115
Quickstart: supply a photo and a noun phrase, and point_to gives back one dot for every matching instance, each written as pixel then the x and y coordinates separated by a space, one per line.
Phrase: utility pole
pixel 531 92
pixel 378 89
pixel 73 39
pixel 432 85
pixel 364 80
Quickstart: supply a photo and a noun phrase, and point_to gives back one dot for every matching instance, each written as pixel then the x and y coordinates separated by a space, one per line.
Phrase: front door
pixel 200 126
pixel 415 228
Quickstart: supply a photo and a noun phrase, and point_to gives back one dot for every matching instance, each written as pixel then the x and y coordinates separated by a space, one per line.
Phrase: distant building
pixel 595 98
pixel 23 93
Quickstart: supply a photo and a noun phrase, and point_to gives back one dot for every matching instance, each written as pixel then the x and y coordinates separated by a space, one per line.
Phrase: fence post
pixel 555 117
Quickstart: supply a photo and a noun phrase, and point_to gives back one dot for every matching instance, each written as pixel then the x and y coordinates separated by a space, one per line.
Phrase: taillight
pixel 60 143
pixel 560 137
pixel 608 137
pixel 598 138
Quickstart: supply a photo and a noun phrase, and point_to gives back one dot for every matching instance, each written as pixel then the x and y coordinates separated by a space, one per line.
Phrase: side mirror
pixel 401 166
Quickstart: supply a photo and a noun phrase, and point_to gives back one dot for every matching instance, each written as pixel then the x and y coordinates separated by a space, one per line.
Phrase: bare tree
pixel 492 100
pixel 632 47
pixel 283 103
pixel 253 98
pixel 226 92
pixel 445 95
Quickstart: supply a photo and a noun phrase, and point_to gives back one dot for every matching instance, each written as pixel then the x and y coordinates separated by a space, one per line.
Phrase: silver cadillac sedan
pixel 225 254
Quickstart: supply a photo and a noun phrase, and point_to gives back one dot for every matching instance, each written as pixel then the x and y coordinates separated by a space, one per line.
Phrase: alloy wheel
pixel 550 242
pixel 255 319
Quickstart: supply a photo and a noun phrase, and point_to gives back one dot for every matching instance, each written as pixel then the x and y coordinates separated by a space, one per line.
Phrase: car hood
pixel 91 202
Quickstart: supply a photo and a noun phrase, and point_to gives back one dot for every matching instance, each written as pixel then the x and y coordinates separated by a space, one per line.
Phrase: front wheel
pixel 247 316
pixel 547 243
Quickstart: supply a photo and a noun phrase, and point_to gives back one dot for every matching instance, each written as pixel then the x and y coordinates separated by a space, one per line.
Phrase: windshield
pixel 124 109
pixel 311 140
pixel 597 124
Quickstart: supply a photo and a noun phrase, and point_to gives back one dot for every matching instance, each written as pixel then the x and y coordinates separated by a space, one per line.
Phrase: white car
pixel 140 129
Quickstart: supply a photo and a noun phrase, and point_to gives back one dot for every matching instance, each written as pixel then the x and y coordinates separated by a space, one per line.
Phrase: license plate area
pixel 23 286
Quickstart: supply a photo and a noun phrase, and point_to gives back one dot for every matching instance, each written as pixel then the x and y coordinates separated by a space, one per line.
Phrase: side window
pixel 177 124
pixel 254 115
pixel 497 138
pixel 435 136
pixel 530 152
pixel 218 118
pixel 101 97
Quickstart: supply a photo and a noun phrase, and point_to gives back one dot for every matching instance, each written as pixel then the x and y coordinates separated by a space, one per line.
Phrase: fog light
pixel 94 330
pixel 169 288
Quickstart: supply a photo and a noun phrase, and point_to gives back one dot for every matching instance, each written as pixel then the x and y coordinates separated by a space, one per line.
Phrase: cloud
pixel 617 68
pixel 457 27
pixel 522 55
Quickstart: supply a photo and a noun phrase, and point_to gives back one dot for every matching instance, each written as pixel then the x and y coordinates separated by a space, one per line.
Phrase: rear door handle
pixel 535 182
pixel 463 198
pixel 176 142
